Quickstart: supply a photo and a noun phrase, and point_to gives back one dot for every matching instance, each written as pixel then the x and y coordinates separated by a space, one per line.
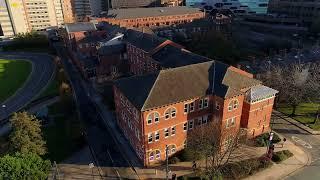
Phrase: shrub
pixel 262 140
pixel 174 160
pixel 186 155
pixel 281 156
pixel 244 168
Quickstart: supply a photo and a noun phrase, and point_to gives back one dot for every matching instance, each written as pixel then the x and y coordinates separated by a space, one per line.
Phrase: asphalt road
pixel 42 71
pixel 103 147
pixel 309 143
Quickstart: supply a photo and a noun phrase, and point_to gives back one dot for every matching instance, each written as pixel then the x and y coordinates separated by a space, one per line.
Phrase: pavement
pixel 42 72
pixel 306 141
pixel 105 151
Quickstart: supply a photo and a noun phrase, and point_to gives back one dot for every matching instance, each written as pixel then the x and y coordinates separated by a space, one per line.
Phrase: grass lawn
pixel 305 113
pixel 63 137
pixel 12 76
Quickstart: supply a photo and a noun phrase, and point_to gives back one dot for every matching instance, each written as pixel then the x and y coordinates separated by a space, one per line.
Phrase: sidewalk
pixel 295 122
pixel 285 168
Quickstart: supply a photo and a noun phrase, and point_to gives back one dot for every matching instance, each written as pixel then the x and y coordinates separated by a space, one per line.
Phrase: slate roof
pixel 144 41
pixel 110 50
pixel 83 26
pixel 183 83
pixel 92 39
pixel 132 13
pixel 259 92
pixel 171 57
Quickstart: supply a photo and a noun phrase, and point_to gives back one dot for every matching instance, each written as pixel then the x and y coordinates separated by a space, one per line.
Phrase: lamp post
pixel 167 163
pixel 4 110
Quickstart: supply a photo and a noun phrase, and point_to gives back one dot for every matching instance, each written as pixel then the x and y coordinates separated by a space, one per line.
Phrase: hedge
pixel 281 156
pixel 263 139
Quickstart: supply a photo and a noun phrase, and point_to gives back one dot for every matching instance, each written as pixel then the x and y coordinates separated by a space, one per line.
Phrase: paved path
pixel 308 142
pixel 42 71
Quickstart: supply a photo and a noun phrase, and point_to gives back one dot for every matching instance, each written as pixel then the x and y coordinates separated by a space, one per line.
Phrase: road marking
pixel 301 142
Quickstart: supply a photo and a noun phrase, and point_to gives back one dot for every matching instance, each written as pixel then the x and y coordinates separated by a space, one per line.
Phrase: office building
pixel 238 7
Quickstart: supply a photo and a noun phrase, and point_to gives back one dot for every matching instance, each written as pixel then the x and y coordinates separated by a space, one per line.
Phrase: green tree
pixel 23 166
pixel 26 135
pixel 66 99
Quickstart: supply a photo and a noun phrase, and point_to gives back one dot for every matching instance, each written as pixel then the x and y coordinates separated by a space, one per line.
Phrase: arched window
pixel 158 154
pixel 170 112
pixel 235 104
pixel 171 149
pixel 153 117
pixel 151 156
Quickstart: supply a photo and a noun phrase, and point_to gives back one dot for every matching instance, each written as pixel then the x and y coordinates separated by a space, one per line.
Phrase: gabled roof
pixel 259 92
pixel 144 41
pixel 78 27
pixel 170 57
pixel 182 83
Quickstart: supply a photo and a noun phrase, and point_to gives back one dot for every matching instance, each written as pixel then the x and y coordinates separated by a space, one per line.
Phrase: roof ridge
pixel 187 66
pixel 150 91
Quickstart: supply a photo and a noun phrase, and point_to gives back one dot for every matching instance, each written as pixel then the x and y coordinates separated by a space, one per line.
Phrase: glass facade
pixel 236 6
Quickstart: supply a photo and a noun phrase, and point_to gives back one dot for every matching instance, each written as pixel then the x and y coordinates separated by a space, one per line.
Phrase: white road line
pixel 301 142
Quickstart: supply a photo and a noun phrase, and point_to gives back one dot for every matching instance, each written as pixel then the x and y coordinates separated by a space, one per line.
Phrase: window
pixel 167 115
pixel 206 103
pixel 186 109
pixel 153 116
pixel 230 106
pixel 166 132
pixel 149 138
pixel 157 136
pixel 173 113
pixel 151 156
pixel 235 104
pixel 158 154
pixel 185 126
pixel 173 131
pixel 191 107
pixel 200 104
pixel 199 122
pixel 204 119
pixel 191 124
pixel 231 122
pixel 185 144
pixel 173 149
pixel 217 106
pixel 265 118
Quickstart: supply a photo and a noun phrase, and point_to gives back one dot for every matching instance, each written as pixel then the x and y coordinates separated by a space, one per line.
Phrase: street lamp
pixel 4 110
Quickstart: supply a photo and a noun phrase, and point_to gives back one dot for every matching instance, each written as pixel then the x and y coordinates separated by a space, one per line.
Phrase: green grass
pixel 63 137
pixel 13 74
pixel 305 113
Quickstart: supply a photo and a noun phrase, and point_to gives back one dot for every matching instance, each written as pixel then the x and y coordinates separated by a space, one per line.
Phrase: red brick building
pixel 158 109
pixel 149 53
pixel 151 17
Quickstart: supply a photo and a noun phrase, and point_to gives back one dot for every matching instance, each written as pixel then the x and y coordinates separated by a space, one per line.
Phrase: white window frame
pixel 231 122
pixel 151 157
pixel 149 119
pixel 190 123
pixel 204 119
pixel 235 104
pixel 173 130
pixel 206 103
pixel 200 103
pixel 191 105
pixel 230 106
pixel 199 121
pixel 158 155
pixel 167 114
pixel 185 126
pixel 186 108
pixel 173 149
pixel 150 137
pixel 173 112
pixel 156 116
pixel 156 134
pixel 166 132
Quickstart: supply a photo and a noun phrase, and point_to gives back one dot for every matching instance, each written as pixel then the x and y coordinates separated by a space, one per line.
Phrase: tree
pixel 217 146
pixel 314 88
pixel 66 99
pixel 292 81
pixel 24 166
pixel 26 135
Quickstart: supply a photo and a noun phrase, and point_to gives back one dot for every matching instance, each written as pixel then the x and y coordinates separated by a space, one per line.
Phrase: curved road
pixel 42 71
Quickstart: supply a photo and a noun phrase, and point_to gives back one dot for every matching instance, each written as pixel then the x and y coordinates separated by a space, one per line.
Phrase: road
pixel 42 72
pixel 310 144
pixel 103 146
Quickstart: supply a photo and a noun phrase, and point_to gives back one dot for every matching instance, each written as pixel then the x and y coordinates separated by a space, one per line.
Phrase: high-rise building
pixel 305 10
pixel 82 9
pixel 21 16
pixel 238 7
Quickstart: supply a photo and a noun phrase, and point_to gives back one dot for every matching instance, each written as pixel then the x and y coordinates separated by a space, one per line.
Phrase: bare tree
pixel 314 87
pixel 217 146
pixel 292 81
